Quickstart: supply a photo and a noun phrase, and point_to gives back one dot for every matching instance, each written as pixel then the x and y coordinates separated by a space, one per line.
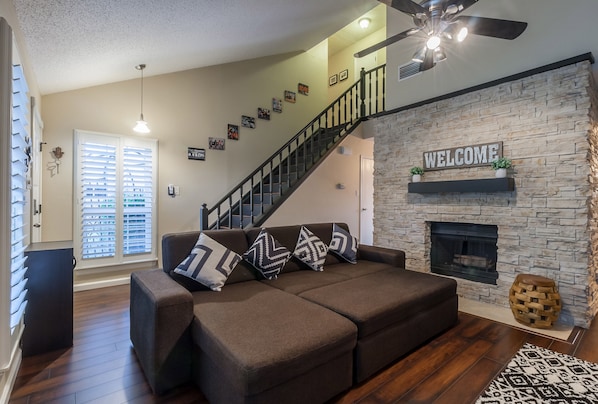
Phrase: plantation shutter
pixel 116 192
pixel 19 167
pixel 138 189
pixel 98 200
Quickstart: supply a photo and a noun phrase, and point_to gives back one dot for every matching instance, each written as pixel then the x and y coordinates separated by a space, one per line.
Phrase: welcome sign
pixel 461 157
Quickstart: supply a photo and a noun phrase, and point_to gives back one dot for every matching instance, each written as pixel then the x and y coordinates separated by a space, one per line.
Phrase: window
pixel 115 199
pixel 14 160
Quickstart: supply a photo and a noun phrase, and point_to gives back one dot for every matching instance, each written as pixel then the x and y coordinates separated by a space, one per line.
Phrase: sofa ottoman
pixel 395 311
pixel 259 344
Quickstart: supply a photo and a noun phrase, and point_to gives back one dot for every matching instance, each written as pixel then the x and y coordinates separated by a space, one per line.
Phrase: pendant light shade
pixel 141 126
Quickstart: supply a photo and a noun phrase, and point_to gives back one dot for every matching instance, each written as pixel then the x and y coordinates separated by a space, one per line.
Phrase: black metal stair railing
pixel 256 197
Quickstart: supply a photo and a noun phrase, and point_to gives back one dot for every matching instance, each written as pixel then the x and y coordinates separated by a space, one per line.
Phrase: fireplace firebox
pixel 464 250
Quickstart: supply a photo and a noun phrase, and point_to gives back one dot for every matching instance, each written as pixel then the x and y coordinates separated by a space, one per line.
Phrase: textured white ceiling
pixel 80 43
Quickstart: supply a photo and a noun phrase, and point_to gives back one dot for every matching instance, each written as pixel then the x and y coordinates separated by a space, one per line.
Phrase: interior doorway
pixel 366 203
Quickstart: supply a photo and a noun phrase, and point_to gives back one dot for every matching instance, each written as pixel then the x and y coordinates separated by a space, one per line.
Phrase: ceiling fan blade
pixel 405 6
pixel 428 62
pixel 504 29
pixel 386 42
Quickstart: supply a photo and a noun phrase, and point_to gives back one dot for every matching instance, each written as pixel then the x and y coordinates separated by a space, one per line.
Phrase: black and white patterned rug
pixel 537 375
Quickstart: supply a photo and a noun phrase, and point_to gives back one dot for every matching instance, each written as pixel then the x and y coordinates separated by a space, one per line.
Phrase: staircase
pixel 259 194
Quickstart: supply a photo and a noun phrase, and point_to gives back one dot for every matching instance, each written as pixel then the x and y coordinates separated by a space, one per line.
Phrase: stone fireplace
pixel 548 124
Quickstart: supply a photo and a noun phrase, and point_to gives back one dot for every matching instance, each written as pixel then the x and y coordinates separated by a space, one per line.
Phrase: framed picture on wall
pixel 343 75
pixel 233 132
pixel 248 121
pixel 290 96
pixel 216 143
pixel 276 104
pixel 263 113
pixel 194 153
pixel 332 80
pixel 303 89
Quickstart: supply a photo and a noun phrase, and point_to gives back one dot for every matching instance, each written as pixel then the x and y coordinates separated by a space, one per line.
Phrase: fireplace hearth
pixel 464 250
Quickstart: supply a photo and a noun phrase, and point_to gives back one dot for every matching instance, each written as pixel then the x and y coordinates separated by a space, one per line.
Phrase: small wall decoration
pixel 248 121
pixel 303 89
pixel 216 143
pixel 276 104
pixel 194 153
pixel 332 80
pixel 343 75
pixel 263 113
pixel 290 96
pixel 233 132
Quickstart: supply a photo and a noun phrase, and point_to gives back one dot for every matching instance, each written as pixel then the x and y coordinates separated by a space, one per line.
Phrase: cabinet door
pixel 49 312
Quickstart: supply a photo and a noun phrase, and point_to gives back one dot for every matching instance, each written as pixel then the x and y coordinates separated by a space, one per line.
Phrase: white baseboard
pixel 8 377
pixel 78 287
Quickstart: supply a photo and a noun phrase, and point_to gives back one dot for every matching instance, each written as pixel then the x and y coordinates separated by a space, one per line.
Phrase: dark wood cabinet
pixel 49 312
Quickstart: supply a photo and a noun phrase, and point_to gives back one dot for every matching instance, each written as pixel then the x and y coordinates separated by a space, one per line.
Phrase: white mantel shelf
pixel 483 185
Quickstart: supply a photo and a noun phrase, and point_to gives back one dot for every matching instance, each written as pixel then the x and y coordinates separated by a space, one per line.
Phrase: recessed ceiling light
pixel 364 22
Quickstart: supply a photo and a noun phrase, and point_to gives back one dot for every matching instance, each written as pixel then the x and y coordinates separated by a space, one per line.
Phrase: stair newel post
pixel 362 92
pixel 203 217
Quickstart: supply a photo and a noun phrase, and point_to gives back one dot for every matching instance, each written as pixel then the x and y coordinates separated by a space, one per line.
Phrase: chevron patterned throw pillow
pixel 343 244
pixel 267 255
pixel 310 249
pixel 209 263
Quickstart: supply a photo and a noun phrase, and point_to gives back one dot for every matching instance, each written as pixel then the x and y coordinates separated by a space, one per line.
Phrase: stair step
pixel 257 209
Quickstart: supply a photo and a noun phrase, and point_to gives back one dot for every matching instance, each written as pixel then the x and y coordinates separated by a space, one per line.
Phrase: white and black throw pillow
pixel 343 244
pixel 209 263
pixel 310 249
pixel 267 255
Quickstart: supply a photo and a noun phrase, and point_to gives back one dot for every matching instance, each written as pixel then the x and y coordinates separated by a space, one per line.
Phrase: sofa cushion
pixel 343 244
pixel 300 281
pixel 267 255
pixel 364 267
pixel 209 263
pixel 261 336
pixel 310 250
pixel 381 299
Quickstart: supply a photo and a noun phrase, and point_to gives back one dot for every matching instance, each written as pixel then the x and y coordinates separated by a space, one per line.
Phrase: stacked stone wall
pixel 547 226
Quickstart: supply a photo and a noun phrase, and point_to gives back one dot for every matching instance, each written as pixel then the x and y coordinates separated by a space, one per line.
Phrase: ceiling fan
pixel 439 22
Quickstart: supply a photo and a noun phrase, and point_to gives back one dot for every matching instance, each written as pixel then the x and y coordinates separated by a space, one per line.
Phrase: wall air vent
pixel 409 70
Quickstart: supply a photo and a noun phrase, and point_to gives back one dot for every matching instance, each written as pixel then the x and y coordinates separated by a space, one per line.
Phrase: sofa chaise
pixel 302 336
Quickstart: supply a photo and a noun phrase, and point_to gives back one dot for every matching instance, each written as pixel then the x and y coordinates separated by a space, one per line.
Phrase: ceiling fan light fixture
pixel 439 55
pixel 419 56
pixel 433 42
pixel 462 34
pixel 141 125
pixel 364 22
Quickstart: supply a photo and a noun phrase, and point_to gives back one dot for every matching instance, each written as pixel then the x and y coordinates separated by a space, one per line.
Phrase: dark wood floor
pixel 101 367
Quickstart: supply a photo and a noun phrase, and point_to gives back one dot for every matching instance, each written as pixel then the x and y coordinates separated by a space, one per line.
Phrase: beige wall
pixel 184 109
pixel 319 200
pixel 345 60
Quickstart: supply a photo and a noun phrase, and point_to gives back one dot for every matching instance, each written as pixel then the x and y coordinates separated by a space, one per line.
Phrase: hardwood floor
pixel 101 367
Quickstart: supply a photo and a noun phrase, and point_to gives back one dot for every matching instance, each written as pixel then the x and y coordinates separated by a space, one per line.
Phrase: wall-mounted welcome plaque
pixel 461 157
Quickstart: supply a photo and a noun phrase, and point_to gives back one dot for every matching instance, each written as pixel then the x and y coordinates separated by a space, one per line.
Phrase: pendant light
pixel 141 126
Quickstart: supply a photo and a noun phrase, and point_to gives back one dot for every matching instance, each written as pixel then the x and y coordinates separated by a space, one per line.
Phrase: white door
pixel 366 221
pixel 36 173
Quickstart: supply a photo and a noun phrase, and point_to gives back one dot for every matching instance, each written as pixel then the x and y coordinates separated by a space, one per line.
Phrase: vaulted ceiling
pixel 74 44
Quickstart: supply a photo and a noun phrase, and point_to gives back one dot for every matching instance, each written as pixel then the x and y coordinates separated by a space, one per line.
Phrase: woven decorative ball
pixel 535 301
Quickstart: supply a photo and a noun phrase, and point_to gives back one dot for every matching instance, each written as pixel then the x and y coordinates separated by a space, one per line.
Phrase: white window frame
pixel 120 142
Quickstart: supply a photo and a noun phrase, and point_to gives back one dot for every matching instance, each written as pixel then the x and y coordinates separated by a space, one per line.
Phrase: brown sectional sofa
pixel 304 337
